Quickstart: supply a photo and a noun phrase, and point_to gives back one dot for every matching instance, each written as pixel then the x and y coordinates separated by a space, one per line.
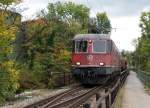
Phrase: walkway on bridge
pixel 135 95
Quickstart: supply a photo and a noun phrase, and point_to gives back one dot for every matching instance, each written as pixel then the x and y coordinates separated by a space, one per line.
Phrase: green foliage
pixel 104 25
pixel 8 79
pixel 68 12
pixel 9 73
pixel 8 2
pixel 101 24
pixel 145 24
pixel 142 55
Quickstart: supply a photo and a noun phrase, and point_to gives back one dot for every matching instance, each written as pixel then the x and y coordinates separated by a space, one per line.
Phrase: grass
pixel 119 98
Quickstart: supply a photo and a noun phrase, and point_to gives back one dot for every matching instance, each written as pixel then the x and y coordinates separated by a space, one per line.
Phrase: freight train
pixel 95 59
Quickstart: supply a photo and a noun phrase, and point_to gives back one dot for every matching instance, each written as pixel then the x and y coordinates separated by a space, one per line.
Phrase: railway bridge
pixel 126 91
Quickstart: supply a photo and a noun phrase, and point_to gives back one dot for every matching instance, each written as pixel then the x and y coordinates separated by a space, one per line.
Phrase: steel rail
pixel 79 95
pixel 74 101
pixel 54 101
pixel 81 100
pixel 52 98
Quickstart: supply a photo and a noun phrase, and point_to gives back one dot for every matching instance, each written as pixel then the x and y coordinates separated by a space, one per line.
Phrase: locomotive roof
pixel 91 36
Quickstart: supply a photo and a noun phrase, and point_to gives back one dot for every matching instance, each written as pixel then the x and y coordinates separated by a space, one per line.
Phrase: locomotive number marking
pixel 90 58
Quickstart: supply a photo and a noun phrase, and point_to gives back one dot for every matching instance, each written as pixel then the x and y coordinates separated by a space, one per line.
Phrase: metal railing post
pixel 108 99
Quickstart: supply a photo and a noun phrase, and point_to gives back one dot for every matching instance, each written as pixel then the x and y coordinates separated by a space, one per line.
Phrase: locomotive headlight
pixel 101 64
pixel 77 63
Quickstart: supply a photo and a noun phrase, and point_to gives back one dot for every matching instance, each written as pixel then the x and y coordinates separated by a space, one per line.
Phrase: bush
pixel 9 78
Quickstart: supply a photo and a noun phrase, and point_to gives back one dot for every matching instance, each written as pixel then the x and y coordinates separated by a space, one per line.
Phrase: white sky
pixel 124 15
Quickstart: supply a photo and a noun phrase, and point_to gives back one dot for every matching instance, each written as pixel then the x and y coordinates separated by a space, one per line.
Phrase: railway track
pixel 77 95
pixel 42 102
pixel 71 101
pixel 67 99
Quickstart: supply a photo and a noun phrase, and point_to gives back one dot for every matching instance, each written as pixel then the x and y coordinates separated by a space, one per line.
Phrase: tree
pixel 145 24
pixel 100 24
pixel 103 23
pixel 142 55
pixel 9 73
pixel 69 13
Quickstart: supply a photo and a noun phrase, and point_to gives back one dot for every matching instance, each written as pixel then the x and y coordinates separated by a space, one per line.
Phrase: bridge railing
pixel 107 97
pixel 144 77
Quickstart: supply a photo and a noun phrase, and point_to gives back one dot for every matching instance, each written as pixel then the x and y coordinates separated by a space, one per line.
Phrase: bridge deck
pixel 134 93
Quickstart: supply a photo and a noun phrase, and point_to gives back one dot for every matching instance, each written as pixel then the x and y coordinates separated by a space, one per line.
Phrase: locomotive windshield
pixel 99 46
pixel 81 46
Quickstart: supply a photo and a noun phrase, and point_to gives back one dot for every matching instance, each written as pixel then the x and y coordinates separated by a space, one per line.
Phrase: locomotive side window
pixel 81 46
pixel 99 46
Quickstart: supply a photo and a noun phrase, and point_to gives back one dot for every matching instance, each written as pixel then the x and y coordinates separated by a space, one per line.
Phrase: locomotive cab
pixel 94 58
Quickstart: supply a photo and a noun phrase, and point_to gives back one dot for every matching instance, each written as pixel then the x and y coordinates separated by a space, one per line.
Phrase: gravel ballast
pixel 29 97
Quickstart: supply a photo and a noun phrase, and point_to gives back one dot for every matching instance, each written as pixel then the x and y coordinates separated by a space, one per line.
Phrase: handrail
pixel 148 73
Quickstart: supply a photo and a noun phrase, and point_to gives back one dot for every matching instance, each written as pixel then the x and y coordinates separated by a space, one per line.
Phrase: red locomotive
pixel 95 58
